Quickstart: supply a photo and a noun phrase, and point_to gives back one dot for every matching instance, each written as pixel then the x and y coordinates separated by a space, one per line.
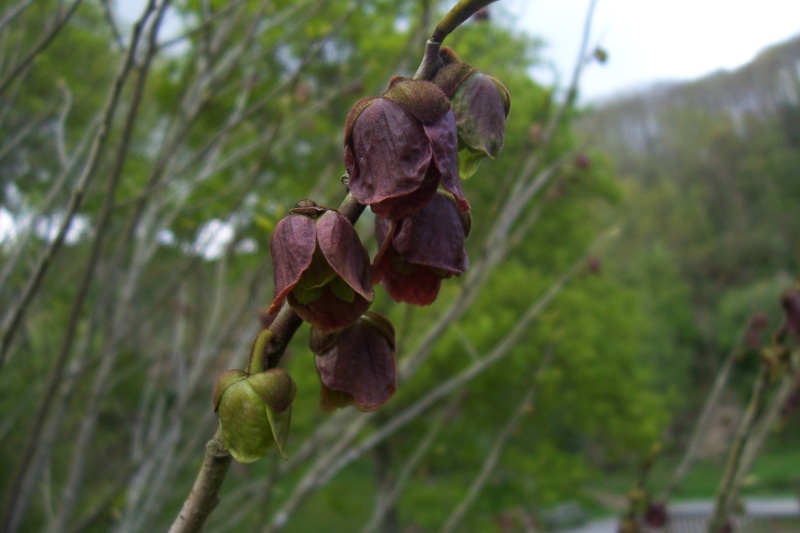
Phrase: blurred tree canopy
pixel 709 172
pixel 144 163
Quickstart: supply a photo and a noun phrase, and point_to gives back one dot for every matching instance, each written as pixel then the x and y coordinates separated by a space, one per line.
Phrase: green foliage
pixel 231 141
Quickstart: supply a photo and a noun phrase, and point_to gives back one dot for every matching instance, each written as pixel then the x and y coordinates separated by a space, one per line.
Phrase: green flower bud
pixel 255 410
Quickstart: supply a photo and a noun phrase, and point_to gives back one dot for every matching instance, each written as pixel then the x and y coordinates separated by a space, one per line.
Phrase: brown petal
pixel 292 245
pixel 353 115
pixel 360 364
pixel 390 153
pixel 444 144
pixel 451 75
pixel 423 99
pixel 344 252
pixel 480 110
pixel 433 237
pixel 401 206
pixel 420 287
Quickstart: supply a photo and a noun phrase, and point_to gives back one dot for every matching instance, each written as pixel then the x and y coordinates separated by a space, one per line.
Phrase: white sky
pixel 650 41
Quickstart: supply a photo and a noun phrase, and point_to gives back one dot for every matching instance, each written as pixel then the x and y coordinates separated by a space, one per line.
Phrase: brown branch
pixel 204 497
pixel 493 457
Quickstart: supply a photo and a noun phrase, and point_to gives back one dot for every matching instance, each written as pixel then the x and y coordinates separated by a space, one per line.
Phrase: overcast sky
pixel 650 40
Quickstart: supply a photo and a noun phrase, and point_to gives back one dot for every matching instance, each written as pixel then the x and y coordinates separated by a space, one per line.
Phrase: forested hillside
pixel 711 173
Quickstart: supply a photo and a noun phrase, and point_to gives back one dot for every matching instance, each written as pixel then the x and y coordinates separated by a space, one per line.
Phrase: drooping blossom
pixel 421 250
pixel 321 267
pixel 480 104
pixel 356 365
pixel 398 149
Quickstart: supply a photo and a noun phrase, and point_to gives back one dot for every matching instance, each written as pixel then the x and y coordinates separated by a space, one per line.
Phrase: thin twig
pixel 14 316
pixel 723 502
pixel 702 422
pixel 39 47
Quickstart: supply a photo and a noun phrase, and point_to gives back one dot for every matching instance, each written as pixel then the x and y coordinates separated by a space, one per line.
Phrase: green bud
pixel 254 411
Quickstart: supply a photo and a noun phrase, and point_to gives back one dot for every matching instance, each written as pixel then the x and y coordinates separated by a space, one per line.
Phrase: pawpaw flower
pixel 420 250
pixel 398 149
pixel 356 365
pixel 480 104
pixel 320 266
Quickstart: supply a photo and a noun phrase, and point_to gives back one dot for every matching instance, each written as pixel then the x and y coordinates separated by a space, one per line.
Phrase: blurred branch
pixel 39 47
pixel 766 423
pixel 102 226
pixel 14 12
pixel 389 499
pixel 493 457
pixel 112 23
pixel 723 502
pixel 15 314
pixel 702 422
pixel 23 483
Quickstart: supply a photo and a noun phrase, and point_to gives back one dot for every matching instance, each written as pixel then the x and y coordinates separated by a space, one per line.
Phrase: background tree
pixel 143 173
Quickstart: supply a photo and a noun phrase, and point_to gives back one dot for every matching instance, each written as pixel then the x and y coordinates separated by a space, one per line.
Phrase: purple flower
pixel 480 104
pixel 321 266
pixel 420 250
pixel 356 365
pixel 398 148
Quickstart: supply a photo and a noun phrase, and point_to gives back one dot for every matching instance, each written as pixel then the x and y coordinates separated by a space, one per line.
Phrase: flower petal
pixel 292 245
pixel 433 237
pixel 344 252
pixel 444 144
pixel 390 153
pixel 419 287
pixel 361 364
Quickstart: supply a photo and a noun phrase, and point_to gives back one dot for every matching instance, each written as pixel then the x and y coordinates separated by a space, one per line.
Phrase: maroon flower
pixel 420 250
pixel 356 365
pixel 790 301
pixel 321 266
pixel 656 515
pixel 480 104
pixel 398 148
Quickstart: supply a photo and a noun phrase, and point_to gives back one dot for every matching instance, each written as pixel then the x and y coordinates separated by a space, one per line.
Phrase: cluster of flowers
pixel 405 153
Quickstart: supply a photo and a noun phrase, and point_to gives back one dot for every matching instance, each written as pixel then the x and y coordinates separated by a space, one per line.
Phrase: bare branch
pixel 22 481
pixel 43 43
pixel 493 457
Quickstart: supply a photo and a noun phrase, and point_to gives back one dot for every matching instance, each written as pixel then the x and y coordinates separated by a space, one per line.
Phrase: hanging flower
pixel 420 250
pixel 320 266
pixel 357 364
pixel 399 147
pixel 480 104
